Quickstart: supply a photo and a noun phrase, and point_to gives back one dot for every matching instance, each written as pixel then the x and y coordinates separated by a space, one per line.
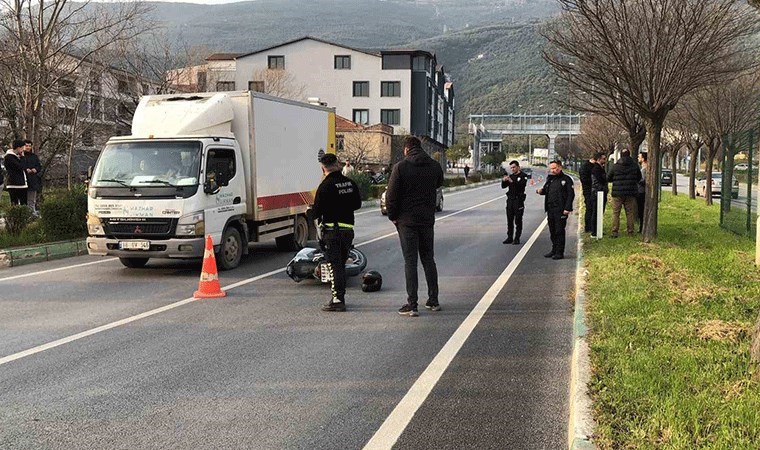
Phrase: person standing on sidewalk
pixel 334 204
pixel 515 184
pixel 598 184
pixel 411 200
pixel 32 167
pixel 585 175
pixel 624 176
pixel 16 183
pixel 558 205
pixel 642 189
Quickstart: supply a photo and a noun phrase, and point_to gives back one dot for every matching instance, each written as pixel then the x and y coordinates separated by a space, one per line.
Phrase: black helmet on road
pixel 372 281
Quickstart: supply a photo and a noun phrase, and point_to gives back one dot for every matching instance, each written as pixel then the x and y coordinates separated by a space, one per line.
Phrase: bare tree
pixel 360 147
pixel 600 134
pixel 279 83
pixel 43 43
pixel 646 55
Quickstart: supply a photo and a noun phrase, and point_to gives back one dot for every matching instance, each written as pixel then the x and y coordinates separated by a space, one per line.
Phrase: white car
pixel 717 182
pixel 741 166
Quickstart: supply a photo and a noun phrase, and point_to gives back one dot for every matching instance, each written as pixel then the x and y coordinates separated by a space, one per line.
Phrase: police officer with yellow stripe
pixel 334 205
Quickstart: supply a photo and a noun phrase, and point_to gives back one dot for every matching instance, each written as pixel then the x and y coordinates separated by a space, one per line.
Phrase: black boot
pixel 507 241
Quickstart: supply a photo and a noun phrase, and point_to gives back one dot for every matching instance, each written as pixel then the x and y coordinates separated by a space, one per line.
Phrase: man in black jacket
pixel 515 183
pixel 585 175
pixel 32 167
pixel 16 183
pixel 624 176
pixel 558 204
pixel 598 184
pixel 334 204
pixel 410 200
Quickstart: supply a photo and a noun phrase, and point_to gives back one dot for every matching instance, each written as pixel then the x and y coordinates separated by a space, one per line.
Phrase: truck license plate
pixel 134 245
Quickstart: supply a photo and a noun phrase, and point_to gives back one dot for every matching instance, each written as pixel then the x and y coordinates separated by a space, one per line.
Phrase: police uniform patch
pixel 563 182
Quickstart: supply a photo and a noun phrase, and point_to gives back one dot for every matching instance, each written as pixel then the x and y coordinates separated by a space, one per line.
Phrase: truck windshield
pixel 146 164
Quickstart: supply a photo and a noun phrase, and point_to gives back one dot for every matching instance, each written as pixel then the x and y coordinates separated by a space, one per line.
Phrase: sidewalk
pixel 43 252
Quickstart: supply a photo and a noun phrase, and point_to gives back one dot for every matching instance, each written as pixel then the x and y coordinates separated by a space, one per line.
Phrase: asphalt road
pixel 265 368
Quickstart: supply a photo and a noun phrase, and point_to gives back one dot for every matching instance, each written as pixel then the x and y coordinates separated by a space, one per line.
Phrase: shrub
pixel 64 214
pixel 475 177
pixel 363 181
pixel 448 182
pixel 17 218
pixel 377 190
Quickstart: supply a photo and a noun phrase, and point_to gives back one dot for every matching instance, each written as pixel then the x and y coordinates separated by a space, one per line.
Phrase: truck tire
pixel 297 240
pixel 134 263
pixel 230 250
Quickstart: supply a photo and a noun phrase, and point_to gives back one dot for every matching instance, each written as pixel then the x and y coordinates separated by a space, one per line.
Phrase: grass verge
pixel 670 334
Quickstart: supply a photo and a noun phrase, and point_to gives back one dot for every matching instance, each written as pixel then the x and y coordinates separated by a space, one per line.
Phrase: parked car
pixel 741 166
pixel 438 201
pixel 717 182
pixel 666 177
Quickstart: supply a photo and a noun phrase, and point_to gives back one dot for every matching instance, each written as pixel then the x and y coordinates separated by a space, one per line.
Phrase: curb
pixel 43 252
pixel 376 202
pixel 581 425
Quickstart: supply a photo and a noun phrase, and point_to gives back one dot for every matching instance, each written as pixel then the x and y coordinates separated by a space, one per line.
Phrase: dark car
pixel 666 179
pixel 528 171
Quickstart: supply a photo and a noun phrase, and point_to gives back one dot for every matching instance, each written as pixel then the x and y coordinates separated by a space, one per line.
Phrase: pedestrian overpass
pixel 489 129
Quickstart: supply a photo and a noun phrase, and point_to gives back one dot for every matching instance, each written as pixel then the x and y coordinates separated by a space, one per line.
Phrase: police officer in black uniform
pixel 334 205
pixel 515 184
pixel 558 204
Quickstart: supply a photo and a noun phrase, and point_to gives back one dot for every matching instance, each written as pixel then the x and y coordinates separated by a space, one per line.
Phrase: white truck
pixel 239 166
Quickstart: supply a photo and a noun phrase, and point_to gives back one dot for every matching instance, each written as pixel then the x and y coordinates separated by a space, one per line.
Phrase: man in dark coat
pixel 411 200
pixel 515 184
pixel 598 184
pixel 585 175
pixel 33 168
pixel 624 176
pixel 558 205
pixel 16 182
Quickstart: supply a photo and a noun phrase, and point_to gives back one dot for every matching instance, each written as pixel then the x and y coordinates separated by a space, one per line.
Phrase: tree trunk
pixel 651 196
pixel 674 171
pixel 693 173
pixel 754 351
pixel 635 137
pixel 712 150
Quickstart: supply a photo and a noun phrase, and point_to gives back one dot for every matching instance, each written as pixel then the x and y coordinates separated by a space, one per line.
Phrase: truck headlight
pixel 193 224
pixel 94 225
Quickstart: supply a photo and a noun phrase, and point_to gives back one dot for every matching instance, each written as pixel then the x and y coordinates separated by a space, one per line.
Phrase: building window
pixel 66 88
pixel 277 62
pixel 87 139
pixel 390 89
pixel 66 115
pixel 123 87
pixel 201 81
pixel 145 89
pixel 223 86
pixel 420 64
pixel 361 88
pixel 96 111
pixel 391 62
pixel 124 111
pixel 390 116
pixel 342 62
pixel 361 116
pixel 95 82
pixel 256 86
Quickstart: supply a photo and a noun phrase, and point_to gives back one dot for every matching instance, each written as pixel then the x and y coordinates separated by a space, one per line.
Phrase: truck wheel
pixel 296 240
pixel 231 249
pixel 134 263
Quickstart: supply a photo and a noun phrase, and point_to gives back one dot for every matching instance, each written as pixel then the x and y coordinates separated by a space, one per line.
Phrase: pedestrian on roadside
pixel 411 201
pixel 32 168
pixel 347 168
pixel 336 200
pixel 624 176
pixel 515 184
pixel 642 189
pixel 585 175
pixel 466 172
pixel 598 184
pixel 558 204
pixel 16 183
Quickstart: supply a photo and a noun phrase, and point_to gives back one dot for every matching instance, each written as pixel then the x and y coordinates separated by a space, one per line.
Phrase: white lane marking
pixel 463 191
pixel 389 432
pixel 75 337
pixel 31 274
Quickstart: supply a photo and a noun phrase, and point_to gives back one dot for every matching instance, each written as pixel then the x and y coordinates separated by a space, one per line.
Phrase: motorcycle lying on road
pixel 311 263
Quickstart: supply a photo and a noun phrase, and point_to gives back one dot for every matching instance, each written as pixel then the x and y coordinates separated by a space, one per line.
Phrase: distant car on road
pixel 528 171
pixel 666 179
pixel 741 166
pixel 717 182
pixel 438 201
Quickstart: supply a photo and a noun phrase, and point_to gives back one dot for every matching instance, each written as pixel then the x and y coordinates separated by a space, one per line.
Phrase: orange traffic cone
pixel 209 284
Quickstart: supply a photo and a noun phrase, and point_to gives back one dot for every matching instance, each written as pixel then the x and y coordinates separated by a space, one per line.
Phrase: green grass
pixel 670 333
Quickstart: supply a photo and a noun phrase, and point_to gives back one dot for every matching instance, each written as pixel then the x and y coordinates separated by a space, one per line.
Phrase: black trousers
pixel 418 240
pixel 640 206
pixel 515 210
pixel 18 196
pixel 588 220
pixel 336 244
pixel 557 224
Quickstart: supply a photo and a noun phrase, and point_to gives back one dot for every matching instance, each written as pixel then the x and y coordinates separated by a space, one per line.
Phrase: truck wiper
pixel 164 182
pixel 114 181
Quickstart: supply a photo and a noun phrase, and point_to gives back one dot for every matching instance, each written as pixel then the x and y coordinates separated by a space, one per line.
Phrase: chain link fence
pixel 739 181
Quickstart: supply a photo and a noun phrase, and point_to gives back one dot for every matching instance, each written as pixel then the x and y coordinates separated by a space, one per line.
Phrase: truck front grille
pixel 136 228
